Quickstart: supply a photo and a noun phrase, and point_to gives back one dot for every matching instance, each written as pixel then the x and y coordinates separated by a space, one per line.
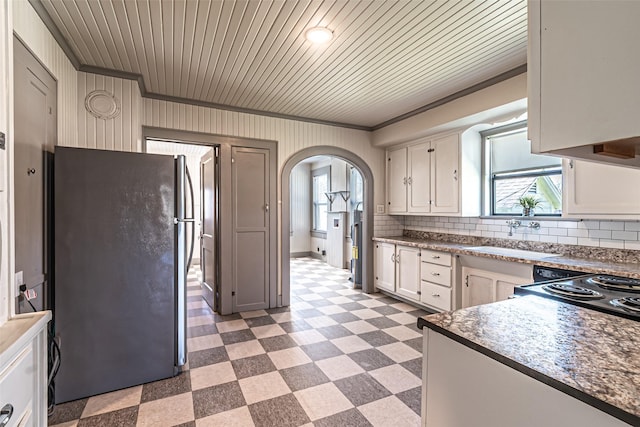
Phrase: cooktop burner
pixel 616 283
pixel 572 291
pixel 628 303
pixel 614 295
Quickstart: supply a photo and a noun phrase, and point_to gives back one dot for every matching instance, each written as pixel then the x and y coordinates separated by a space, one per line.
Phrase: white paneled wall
pixel 122 133
pixel 300 194
pixel 32 31
pixel 606 234
pixel 292 136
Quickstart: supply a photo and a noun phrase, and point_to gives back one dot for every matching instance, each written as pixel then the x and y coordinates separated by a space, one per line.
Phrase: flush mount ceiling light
pixel 318 35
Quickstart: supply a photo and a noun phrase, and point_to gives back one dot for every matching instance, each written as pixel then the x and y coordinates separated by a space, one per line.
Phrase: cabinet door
pixel 397 181
pixel 408 272
pixel 385 266
pixel 419 178
pixel 587 78
pixel 477 287
pixel 483 286
pixel 504 288
pixel 598 189
pixel 445 175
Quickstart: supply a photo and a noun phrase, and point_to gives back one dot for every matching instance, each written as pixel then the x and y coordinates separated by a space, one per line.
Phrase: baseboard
pixel 316 256
pixel 300 254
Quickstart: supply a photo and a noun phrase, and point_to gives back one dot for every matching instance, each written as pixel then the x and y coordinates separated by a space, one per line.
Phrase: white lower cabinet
pixel 408 272
pixel 385 265
pixel 398 269
pixel 23 371
pixel 418 275
pixel 484 286
pixel 436 276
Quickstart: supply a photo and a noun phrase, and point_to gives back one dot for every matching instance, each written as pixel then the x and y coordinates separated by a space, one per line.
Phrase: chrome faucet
pixel 513 224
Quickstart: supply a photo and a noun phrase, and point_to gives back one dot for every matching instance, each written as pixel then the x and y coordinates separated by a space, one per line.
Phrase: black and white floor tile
pixel 335 357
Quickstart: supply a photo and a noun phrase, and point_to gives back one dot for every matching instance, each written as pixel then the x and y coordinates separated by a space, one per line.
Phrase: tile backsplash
pixel 603 233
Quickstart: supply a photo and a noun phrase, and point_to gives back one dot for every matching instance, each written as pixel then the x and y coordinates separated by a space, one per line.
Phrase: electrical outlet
pixel 19 281
pixel 380 209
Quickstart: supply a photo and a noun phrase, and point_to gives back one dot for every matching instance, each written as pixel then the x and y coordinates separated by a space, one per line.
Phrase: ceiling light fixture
pixel 318 35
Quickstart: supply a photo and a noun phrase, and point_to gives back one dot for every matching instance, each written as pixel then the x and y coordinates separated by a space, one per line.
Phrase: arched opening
pixel 367 209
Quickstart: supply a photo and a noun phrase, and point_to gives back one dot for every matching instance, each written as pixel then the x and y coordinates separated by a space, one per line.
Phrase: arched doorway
pixel 367 178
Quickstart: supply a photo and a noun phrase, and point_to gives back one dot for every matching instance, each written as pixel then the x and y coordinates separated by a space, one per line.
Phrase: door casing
pixel 225 236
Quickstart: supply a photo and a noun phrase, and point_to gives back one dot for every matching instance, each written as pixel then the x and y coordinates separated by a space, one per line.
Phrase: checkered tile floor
pixel 336 357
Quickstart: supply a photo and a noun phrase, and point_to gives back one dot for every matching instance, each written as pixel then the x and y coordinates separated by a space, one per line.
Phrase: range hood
pixel 622 152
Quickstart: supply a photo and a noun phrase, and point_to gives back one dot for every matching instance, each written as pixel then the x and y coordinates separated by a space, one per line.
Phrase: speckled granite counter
pixel 589 355
pixel 587 265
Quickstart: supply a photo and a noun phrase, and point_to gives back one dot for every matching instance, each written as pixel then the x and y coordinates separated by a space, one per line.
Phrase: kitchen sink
pixel 519 253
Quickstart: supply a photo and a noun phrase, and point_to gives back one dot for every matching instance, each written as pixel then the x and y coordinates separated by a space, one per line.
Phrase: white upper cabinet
pixel 445 163
pixel 430 176
pixel 584 78
pixel 595 190
pixel 419 177
pixel 397 180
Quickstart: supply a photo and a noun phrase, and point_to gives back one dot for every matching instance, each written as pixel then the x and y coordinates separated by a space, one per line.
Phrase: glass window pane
pixel 322 218
pixel 512 152
pixel 547 189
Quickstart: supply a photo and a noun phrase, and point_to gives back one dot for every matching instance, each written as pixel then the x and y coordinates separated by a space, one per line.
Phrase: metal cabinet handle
pixel 398 259
pixel 409 180
pixel 435 295
pixel 393 257
pixel 266 207
pixel 435 274
pixel 455 174
pixel 404 181
pixel 31 171
pixel 435 256
pixel 5 414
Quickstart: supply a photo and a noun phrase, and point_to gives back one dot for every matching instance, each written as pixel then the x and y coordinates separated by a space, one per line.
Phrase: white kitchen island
pixel 530 362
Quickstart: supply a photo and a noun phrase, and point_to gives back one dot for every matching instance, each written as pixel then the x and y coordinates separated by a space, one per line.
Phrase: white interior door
pixel 208 229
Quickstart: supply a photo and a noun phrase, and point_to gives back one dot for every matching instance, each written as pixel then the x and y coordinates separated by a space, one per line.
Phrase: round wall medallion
pixel 102 104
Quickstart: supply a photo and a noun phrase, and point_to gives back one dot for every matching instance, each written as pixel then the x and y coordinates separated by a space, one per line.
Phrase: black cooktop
pixel 614 295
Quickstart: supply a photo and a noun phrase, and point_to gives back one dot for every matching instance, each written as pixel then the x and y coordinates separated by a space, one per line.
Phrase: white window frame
pixel 318 200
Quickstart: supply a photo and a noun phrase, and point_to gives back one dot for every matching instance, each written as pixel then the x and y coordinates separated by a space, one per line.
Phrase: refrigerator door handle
pixel 177 220
pixel 180 267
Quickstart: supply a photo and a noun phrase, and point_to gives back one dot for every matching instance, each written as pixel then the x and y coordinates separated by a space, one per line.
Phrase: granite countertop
pixel 589 355
pixel 587 265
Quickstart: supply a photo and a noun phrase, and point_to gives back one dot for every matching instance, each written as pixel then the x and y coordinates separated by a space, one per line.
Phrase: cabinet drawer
pixel 435 295
pixel 435 257
pixel 439 274
pixel 17 386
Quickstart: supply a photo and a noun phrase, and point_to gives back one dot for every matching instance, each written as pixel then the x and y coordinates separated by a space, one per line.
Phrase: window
pixel 320 186
pixel 356 190
pixel 512 171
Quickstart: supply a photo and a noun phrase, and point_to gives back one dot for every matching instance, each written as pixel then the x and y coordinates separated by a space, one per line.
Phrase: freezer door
pixel 115 269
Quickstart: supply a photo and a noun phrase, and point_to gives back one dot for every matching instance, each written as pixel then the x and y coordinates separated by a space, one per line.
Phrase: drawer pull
pixel 435 295
pixel 5 414
pixel 435 256
pixel 435 274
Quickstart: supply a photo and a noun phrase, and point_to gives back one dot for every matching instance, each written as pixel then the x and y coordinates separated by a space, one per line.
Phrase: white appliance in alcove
pixel 335 239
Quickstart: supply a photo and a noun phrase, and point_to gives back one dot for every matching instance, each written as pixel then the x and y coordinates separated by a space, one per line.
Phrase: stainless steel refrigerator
pixel 120 269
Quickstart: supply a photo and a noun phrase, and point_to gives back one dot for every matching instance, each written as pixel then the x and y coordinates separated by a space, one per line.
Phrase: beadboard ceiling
pixel 387 58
